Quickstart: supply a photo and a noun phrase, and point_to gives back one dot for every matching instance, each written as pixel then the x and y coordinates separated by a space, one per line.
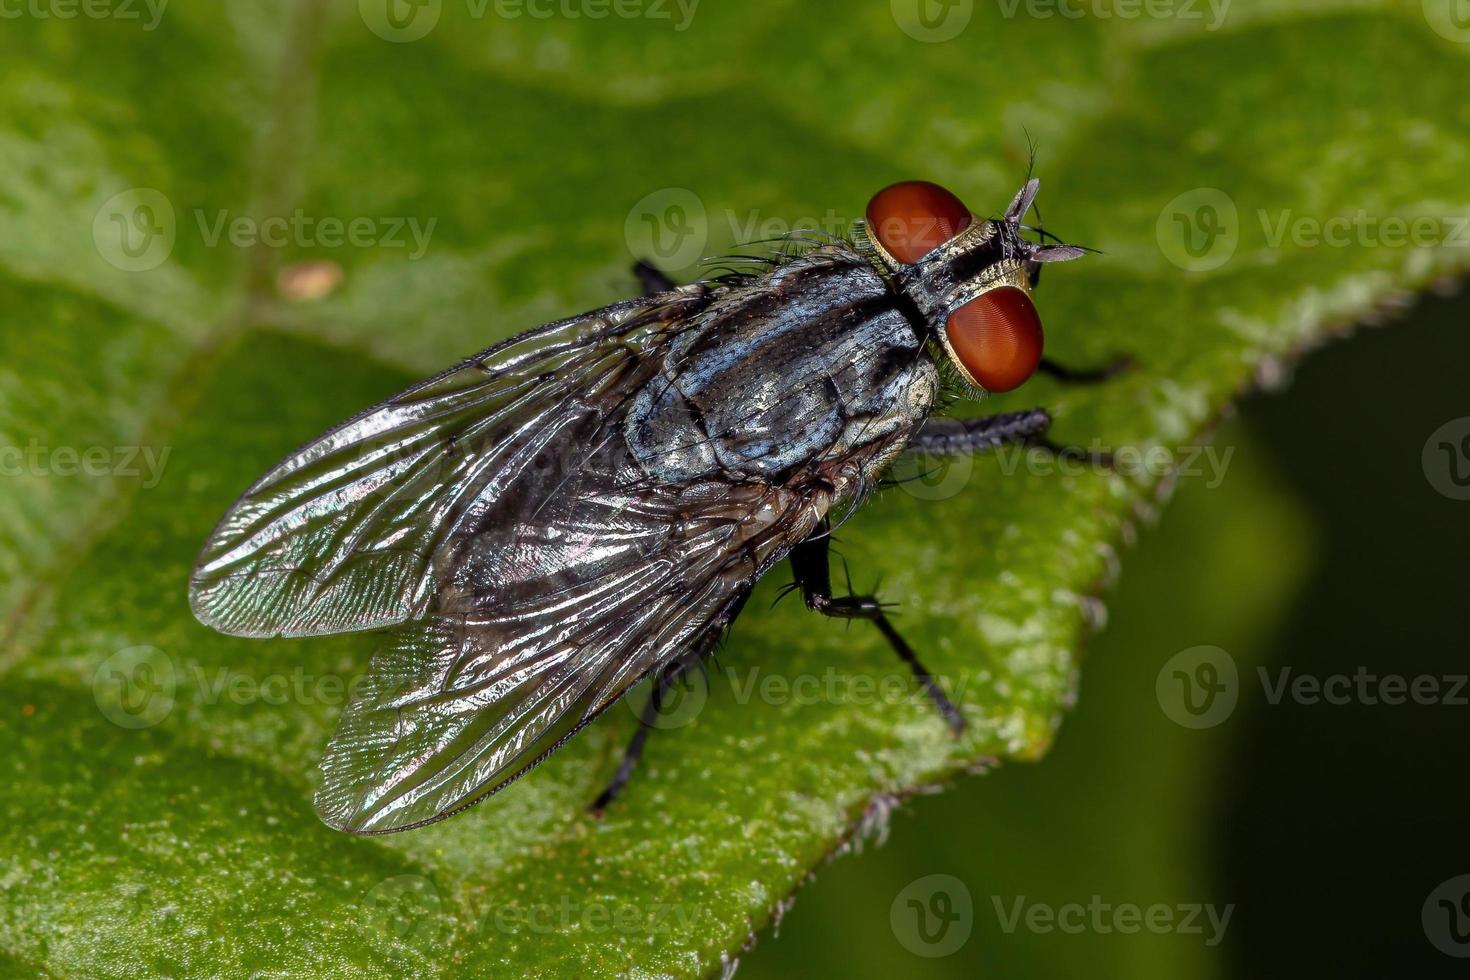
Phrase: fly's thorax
pixel 780 375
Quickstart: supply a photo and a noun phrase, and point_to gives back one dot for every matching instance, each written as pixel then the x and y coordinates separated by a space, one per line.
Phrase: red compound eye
pixel 914 217
pixel 997 338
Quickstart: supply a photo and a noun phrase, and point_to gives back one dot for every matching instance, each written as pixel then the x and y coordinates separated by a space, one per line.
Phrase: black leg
pixel 1084 376
pixel 809 563
pixel 651 278
pixel 962 437
pixel 648 717
pixel 1076 376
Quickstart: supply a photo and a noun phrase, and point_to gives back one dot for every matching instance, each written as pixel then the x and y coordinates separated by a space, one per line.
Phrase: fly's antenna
pixel 1024 200
pixel 1033 252
pixel 1031 148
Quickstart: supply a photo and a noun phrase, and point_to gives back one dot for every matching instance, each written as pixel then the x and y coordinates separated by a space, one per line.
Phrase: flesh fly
pixel 590 503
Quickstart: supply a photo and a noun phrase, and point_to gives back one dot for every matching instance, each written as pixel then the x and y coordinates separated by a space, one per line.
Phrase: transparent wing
pixel 342 534
pixel 553 609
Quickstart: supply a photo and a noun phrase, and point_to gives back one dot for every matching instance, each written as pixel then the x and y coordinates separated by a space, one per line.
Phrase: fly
pixel 697 436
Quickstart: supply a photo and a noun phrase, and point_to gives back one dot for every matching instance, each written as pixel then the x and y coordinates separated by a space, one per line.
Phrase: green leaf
pixel 158 819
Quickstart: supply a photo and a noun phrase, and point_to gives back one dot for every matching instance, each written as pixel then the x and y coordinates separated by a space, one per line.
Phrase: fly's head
pixel 969 277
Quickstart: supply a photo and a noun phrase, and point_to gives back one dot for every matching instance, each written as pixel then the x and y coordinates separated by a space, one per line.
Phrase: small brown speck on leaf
pixel 305 282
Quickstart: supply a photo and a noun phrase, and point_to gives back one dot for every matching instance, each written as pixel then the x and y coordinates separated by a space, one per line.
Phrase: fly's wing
pixel 495 515
pixel 551 608
pixel 343 533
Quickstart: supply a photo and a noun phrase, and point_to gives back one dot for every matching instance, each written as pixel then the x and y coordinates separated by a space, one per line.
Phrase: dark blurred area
pixel 1340 820
pixel 1327 828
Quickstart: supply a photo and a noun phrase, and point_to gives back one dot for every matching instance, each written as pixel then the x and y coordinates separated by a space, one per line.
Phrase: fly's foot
pixel 1086 376
pixel 1092 457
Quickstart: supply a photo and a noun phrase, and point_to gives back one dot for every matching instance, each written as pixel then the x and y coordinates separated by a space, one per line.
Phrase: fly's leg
pixel 809 563
pixel 648 717
pixel 1077 376
pixel 1084 376
pixel 651 278
pixel 962 437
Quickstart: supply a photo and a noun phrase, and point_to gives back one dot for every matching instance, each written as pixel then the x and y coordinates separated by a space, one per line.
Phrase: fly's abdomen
pixel 784 372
